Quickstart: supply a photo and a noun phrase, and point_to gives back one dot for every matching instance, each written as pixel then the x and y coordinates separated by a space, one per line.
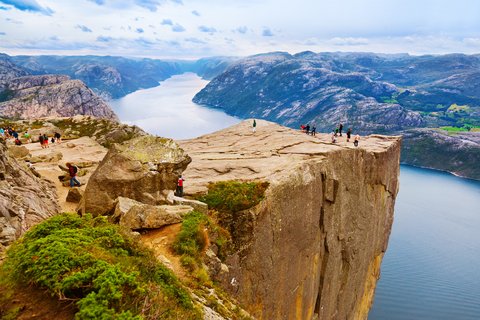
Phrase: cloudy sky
pixel 199 28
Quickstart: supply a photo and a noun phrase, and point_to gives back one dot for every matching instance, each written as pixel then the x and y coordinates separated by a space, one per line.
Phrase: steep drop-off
pixel 313 247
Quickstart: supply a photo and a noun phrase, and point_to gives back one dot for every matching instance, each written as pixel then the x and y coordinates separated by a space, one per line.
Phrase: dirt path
pixel 74 151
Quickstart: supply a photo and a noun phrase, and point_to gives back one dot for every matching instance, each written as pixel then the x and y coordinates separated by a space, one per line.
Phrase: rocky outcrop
pixel 143 169
pixel 106 132
pixel 313 247
pixel 435 148
pixel 33 97
pixel 136 215
pixel 25 199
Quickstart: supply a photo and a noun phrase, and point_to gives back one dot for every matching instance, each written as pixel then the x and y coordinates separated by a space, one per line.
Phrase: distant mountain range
pixel 372 93
pixel 113 77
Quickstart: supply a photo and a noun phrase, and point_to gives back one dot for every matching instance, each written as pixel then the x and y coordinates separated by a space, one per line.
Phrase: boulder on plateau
pixel 145 169
pixel 136 215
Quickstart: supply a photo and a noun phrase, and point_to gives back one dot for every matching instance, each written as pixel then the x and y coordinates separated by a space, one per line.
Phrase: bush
pixel 93 262
pixel 234 196
pixel 192 239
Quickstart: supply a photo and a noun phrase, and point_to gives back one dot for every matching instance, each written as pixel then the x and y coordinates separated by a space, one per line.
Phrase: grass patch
pixel 234 196
pixel 96 264
pixel 193 238
pixel 464 128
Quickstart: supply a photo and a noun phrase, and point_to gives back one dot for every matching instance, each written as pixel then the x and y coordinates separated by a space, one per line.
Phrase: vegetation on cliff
pixel 90 261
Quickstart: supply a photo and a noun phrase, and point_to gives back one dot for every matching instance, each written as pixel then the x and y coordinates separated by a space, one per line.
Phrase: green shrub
pixel 234 196
pixel 93 262
pixel 192 239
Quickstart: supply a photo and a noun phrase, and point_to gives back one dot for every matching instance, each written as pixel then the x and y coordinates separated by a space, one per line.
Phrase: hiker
pixel 52 140
pixel 340 128
pixel 336 131
pixel 72 171
pixel 254 126
pixel 333 137
pixel 14 134
pixel 355 140
pixel 314 130
pixel 179 191
pixel 2 132
pixel 26 135
pixel 349 134
pixel 302 127
pixel 307 129
pixel 40 139
pixel 18 142
pixel 58 137
pixel 45 140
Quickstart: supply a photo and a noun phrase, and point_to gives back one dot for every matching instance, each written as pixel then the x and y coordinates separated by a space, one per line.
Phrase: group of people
pixel 43 139
pixel 11 133
pixel 338 131
pixel 309 130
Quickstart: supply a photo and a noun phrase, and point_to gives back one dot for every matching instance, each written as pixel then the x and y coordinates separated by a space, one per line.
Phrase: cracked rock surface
pixel 314 245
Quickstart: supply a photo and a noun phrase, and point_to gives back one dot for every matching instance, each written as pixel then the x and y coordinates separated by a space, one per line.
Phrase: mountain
pixel 114 77
pixel 328 88
pixel 31 97
pixel 300 89
pixel 9 70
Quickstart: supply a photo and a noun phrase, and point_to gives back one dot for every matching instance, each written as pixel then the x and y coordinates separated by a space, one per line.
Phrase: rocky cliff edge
pixel 316 241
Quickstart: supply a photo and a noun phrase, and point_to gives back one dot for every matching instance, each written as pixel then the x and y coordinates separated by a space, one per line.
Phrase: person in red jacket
pixel 179 191
pixel 72 171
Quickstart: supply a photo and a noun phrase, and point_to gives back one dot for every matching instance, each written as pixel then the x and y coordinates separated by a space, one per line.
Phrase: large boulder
pixel 136 215
pixel 25 199
pixel 18 152
pixel 74 195
pixel 144 169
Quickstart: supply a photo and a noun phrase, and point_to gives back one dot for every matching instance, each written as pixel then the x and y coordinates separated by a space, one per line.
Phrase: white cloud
pixel 222 29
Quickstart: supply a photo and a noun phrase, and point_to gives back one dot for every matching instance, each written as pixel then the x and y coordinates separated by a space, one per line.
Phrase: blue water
pixel 168 110
pixel 432 266
pixel 431 269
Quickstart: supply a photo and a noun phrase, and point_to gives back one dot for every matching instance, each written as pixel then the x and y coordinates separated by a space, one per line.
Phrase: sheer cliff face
pixel 25 200
pixel 317 239
pixel 32 97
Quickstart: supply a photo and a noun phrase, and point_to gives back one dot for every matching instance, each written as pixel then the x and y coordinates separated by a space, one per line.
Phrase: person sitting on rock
pixel 334 135
pixel 179 190
pixel 18 142
pixel 355 140
pixel 72 171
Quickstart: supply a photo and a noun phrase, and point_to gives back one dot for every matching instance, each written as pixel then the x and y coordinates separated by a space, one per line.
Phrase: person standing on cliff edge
pixel 179 191
pixel 254 126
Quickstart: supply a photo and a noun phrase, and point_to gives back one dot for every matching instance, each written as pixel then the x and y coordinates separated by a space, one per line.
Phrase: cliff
pixel 312 248
pixel 25 199
pixel 31 97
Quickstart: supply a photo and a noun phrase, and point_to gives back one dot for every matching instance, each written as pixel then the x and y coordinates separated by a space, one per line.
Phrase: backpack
pixel 75 169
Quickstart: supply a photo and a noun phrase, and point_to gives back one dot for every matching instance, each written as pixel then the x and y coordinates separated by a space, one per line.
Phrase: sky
pixel 190 29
